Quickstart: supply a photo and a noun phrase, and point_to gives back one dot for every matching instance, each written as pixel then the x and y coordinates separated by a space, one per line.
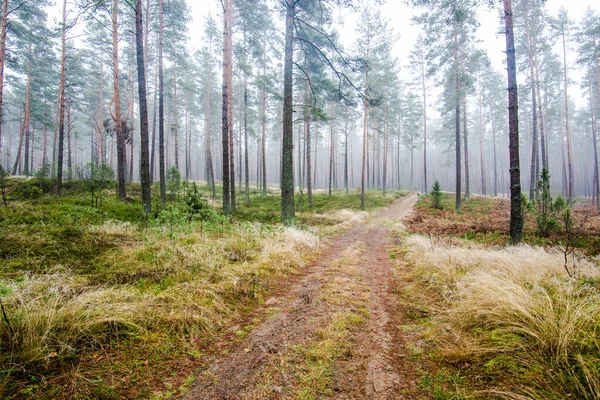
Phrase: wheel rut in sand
pixel 329 335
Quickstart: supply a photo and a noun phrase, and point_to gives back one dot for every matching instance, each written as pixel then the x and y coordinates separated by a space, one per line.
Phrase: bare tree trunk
pixel 175 118
pixel 596 185
pixel 145 178
pixel 3 24
pixel 117 104
pixel 287 156
pixel 69 131
pixel 61 100
pixel 425 187
pixel 161 108
pixel 45 145
pixel 516 216
pixel 131 107
pixel 263 144
pixel 154 112
pixel 495 152
pixel 331 143
pixel 457 120
pixel 481 135
pixel 307 139
pixel 246 155
pixel 567 124
pixel 466 143
pixel 20 147
pixel 346 152
pixel 543 141
pixel 100 120
pixel 597 173
pixel 227 102
pixel 28 112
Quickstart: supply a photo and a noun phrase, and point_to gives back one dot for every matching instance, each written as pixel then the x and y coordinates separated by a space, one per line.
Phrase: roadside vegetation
pixel 517 322
pixel 98 301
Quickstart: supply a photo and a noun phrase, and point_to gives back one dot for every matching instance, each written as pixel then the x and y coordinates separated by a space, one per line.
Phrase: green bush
pixel 173 181
pixel 436 196
pixel 96 178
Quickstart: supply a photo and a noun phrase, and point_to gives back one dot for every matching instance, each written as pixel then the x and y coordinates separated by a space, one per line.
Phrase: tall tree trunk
pixel 287 156
pixel 457 120
pixel 495 152
pixel 145 178
pixel 3 24
pixel 100 120
pixel 466 143
pixel 131 109
pixel 231 144
pixel 154 112
pixel 597 65
pixel 45 145
pixel 516 216
pixel 246 155
pixel 117 104
pixel 346 152
pixel 481 135
pixel 227 102
pixel 543 141
pixel 331 142
pixel 263 144
pixel 567 124
pixel 425 187
pixel 161 107
pixel 31 159
pixel 69 132
pixel 208 168
pixel 596 185
pixel 175 118
pixel 28 112
pixel 20 147
pixel 307 141
pixel 61 100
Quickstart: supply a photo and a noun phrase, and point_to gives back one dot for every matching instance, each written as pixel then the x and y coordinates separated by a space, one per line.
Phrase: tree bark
pixel 2 61
pixel 28 112
pixel 457 121
pixel 227 103
pixel 246 155
pixel 516 216
pixel 346 152
pixel 567 124
pixel 117 104
pixel 287 156
pixel 307 140
pixel 481 135
pixel 425 187
pixel 61 100
pixel 161 108
pixel 365 134
pixel 145 179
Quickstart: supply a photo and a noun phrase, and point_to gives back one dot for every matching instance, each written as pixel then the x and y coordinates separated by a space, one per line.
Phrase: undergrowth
pixel 91 294
pixel 511 320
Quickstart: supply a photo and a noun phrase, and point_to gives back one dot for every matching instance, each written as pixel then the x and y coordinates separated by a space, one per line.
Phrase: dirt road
pixel 334 334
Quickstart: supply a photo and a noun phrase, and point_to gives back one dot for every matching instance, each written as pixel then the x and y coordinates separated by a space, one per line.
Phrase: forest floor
pixel 400 302
pixel 336 332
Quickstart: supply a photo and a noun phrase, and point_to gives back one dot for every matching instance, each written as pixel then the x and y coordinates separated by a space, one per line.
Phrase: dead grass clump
pixel 188 284
pixel 518 304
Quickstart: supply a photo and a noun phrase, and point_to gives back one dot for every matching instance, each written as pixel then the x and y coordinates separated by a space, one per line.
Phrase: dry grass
pixel 188 285
pixel 517 312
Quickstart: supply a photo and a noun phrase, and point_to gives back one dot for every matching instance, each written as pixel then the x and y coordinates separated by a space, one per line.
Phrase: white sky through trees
pixel 399 15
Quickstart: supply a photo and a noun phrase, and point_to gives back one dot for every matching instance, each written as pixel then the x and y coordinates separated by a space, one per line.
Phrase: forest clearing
pixel 299 199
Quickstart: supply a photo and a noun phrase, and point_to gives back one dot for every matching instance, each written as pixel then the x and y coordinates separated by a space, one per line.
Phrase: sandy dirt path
pixel 332 335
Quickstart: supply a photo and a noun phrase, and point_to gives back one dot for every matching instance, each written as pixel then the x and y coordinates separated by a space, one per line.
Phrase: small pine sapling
pixel 436 196
pixel 3 176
